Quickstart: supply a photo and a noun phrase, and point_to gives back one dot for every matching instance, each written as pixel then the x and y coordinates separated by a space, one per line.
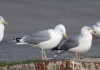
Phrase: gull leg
pixel 80 56
pixel 42 56
pixel 45 57
pixel 76 54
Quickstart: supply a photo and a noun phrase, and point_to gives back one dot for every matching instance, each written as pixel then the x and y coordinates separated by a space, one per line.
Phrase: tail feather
pixel 17 41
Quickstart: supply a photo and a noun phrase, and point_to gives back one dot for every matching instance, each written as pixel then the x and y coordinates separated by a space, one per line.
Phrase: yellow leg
pixel 42 56
pixel 45 55
pixel 78 55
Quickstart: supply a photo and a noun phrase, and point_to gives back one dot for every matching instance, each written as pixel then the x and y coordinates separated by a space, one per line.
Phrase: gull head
pixel 87 30
pixel 96 27
pixel 98 24
pixel 2 21
pixel 61 28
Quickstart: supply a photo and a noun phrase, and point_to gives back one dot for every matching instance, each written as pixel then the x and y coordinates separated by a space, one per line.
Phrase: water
pixel 27 16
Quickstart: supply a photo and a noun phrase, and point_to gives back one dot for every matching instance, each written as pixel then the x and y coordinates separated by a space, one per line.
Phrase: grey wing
pixel 37 37
pixel 69 43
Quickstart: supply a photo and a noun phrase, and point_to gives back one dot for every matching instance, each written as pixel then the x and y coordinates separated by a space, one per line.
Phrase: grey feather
pixel 37 37
pixel 69 43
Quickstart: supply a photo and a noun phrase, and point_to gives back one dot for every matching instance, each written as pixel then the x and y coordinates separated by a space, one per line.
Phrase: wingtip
pixel 15 40
pixel 55 48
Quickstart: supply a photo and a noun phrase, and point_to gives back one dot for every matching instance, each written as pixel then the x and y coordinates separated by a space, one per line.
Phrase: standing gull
pixel 77 44
pixel 3 23
pixel 96 27
pixel 45 39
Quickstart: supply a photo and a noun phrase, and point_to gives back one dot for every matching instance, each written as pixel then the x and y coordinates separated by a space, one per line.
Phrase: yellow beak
pixel 65 36
pixel 5 23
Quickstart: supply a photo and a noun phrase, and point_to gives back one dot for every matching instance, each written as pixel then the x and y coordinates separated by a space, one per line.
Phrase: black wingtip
pixel 55 48
pixel 16 40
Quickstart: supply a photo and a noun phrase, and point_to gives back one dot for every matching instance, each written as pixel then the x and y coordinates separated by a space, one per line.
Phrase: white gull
pixel 45 39
pixel 77 44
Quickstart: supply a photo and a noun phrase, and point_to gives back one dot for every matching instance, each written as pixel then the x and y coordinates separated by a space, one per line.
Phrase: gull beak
pixel 93 32
pixel 65 36
pixel 5 23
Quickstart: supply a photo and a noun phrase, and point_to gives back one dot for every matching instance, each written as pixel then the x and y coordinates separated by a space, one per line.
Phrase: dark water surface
pixel 27 16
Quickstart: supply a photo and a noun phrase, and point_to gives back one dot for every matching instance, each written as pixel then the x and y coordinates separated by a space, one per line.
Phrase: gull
pixel 3 23
pixel 96 27
pixel 77 44
pixel 45 39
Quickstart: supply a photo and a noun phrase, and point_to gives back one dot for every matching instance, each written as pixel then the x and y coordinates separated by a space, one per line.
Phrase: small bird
pixel 96 27
pixel 45 39
pixel 3 23
pixel 77 44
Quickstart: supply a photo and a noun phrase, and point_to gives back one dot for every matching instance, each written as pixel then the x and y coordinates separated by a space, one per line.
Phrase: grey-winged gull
pixel 3 23
pixel 45 39
pixel 96 27
pixel 77 44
